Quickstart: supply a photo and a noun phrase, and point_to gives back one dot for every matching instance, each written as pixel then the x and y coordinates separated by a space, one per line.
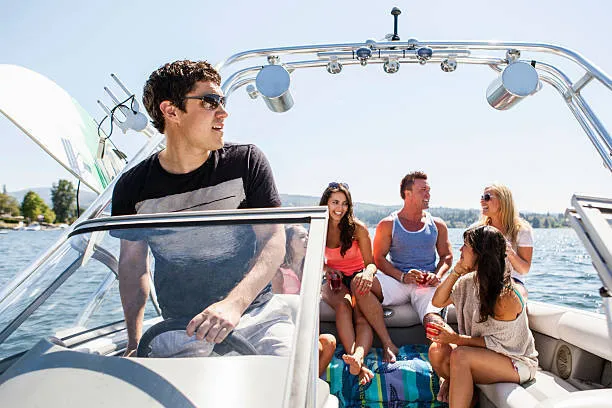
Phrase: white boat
pixel 58 348
pixel 33 227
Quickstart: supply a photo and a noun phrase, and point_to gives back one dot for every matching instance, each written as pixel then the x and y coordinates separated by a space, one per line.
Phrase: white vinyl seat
pixel 545 386
pixel 399 316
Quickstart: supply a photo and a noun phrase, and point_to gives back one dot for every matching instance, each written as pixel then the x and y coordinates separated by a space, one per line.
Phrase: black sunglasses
pixel 334 184
pixel 210 101
pixel 486 196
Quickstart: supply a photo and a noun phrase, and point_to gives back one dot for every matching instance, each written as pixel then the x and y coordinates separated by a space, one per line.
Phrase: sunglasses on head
pixel 486 196
pixel 335 184
pixel 210 101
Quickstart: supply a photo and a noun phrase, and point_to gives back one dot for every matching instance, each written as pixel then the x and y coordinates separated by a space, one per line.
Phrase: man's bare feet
pixel 365 375
pixel 354 361
pixel 443 393
pixel 390 353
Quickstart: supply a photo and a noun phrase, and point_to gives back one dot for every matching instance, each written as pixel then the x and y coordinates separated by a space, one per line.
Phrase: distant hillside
pixel 371 214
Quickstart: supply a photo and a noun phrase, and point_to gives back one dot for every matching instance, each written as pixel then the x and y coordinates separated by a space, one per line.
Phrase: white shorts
pixel 269 328
pixel 525 372
pixel 397 293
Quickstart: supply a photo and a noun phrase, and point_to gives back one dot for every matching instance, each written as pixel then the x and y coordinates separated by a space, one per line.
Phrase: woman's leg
pixel 475 365
pixel 370 305
pixel 341 302
pixel 439 357
pixel 363 343
pixel 327 346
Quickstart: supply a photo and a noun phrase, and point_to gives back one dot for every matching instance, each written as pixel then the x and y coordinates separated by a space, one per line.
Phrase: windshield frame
pixel 302 364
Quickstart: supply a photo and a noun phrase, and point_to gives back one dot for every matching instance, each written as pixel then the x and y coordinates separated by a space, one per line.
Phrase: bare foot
pixel 365 375
pixel 443 393
pixel 390 353
pixel 354 361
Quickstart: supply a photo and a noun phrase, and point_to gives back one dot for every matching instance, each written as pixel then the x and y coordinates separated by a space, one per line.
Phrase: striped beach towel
pixel 410 382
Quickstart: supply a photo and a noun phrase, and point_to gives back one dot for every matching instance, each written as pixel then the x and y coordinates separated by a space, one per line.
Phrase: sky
pixel 362 126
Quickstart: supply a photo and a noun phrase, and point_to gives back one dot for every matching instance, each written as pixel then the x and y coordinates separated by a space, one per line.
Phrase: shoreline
pixel 7 226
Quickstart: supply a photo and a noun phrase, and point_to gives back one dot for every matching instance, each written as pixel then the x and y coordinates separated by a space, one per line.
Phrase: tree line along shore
pixel 63 210
pixel 34 209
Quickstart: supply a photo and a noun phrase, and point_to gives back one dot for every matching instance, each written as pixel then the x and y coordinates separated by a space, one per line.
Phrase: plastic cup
pixel 432 330
pixel 335 281
pixel 423 278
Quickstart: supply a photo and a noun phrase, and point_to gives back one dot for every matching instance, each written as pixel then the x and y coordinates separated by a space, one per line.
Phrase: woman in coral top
pixel 349 268
pixel 288 278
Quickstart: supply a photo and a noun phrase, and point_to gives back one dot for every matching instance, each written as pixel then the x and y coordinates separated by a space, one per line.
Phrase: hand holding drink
pixel 431 330
pixel 440 333
pixel 422 278
pixel 335 279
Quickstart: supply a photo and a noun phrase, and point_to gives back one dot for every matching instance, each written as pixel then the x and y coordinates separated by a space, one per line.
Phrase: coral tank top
pixel 351 263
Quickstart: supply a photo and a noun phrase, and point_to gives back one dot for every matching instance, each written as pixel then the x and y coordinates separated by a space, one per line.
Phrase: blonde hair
pixel 510 219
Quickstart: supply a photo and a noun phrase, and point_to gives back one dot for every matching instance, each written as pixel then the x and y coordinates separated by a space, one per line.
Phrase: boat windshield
pixel 195 260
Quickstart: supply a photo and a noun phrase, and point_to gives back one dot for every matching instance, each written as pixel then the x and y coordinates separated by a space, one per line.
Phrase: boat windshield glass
pixel 196 262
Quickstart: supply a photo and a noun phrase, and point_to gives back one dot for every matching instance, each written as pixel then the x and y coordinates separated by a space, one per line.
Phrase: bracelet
pixel 371 268
pixel 454 272
pixel 402 277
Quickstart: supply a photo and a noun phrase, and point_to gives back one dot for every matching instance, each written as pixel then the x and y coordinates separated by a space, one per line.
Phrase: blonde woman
pixel 499 211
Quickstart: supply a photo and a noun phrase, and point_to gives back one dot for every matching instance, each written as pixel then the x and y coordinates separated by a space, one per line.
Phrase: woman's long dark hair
pixel 290 231
pixel 347 223
pixel 489 245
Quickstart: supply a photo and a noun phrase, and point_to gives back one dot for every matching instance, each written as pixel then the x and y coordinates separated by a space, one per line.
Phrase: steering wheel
pixel 233 341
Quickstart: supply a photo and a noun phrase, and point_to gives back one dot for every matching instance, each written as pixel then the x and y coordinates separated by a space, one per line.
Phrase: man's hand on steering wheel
pixel 215 322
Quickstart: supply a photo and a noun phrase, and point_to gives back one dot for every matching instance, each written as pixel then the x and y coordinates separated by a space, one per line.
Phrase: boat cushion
pixel 409 380
pixel 586 330
pixel 545 385
pixel 591 398
pixel 400 316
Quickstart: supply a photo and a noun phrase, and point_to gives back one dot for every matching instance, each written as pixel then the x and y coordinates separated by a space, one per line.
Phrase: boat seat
pixel 545 386
pixel 399 316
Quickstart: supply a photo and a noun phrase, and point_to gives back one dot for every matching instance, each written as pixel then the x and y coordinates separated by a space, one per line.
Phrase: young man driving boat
pixel 411 237
pixel 198 171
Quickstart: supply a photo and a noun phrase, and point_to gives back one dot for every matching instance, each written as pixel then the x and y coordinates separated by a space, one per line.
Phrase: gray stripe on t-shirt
pixel 224 196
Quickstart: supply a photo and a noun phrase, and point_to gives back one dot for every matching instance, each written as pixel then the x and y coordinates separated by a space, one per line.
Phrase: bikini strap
pixel 520 297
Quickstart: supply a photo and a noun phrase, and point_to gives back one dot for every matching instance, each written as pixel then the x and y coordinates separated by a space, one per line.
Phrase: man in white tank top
pixel 411 237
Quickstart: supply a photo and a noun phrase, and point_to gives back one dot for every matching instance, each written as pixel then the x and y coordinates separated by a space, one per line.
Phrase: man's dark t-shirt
pixel 197 266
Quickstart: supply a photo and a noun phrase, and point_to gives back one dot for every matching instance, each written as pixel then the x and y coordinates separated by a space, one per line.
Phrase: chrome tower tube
pixel 428 52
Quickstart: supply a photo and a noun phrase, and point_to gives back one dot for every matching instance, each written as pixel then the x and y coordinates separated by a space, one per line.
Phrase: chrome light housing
pixel 273 83
pixel 518 80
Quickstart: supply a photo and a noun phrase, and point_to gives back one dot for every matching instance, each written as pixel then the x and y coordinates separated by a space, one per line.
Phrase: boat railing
pixel 591 218
pixel 392 54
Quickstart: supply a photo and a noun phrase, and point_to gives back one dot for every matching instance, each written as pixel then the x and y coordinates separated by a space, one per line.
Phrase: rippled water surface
pixel 561 271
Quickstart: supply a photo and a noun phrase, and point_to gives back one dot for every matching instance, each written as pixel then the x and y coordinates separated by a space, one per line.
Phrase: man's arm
pixel 382 244
pixel 216 321
pixel 444 248
pixel 133 288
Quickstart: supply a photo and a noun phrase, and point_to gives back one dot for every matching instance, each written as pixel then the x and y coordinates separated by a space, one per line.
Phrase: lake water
pixel 561 271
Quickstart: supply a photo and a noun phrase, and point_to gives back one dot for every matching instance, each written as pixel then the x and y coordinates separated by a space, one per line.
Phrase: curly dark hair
pixel 489 245
pixel 408 181
pixel 172 82
pixel 347 223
